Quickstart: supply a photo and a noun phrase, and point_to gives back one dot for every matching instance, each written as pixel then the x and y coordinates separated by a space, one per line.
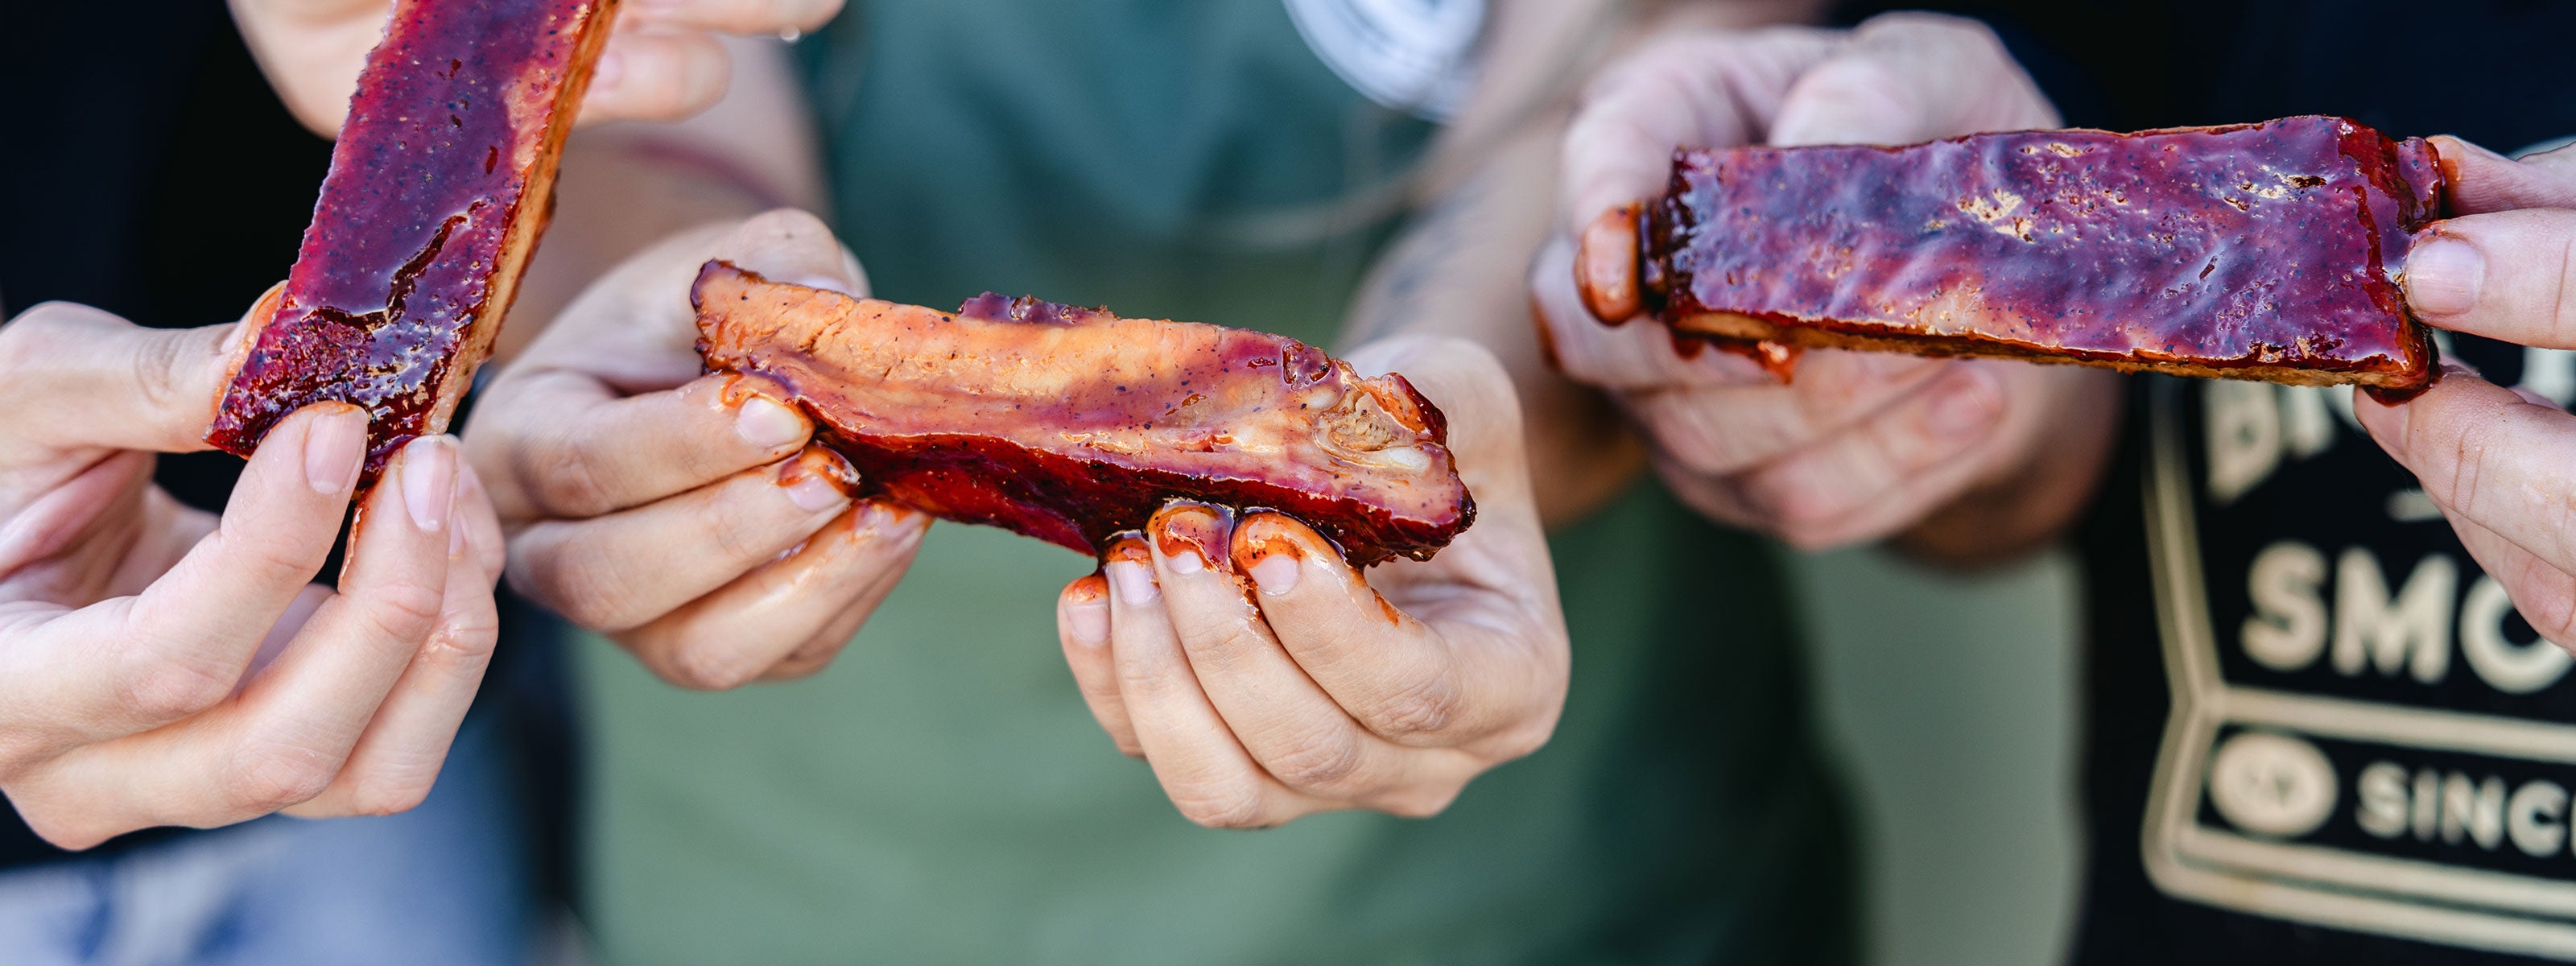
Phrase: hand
pixel 663 63
pixel 1264 679
pixel 1858 446
pixel 161 666
pixel 2496 460
pixel 688 517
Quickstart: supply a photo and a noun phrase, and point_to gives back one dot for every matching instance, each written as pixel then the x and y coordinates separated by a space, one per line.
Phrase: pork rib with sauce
pixel 440 183
pixel 2259 251
pixel 1073 425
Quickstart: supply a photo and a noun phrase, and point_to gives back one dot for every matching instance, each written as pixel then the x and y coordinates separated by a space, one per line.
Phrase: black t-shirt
pixel 2316 732
pixel 151 172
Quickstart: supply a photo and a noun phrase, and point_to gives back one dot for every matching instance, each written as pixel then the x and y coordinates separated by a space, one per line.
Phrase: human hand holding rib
pixel 690 518
pixel 164 666
pixel 2498 461
pixel 1859 445
pixel 1263 678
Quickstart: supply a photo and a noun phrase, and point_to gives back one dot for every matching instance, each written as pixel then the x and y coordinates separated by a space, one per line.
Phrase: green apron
pixel 940 795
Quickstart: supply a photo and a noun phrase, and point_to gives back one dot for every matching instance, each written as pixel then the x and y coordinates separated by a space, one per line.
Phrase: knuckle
pixel 403 610
pixel 1325 764
pixel 584 586
pixel 386 796
pixel 1421 803
pixel 159 688
pixel 1233 805
pixel 1425 709
pixel 567 479
pixel 268 776
pixel 697 667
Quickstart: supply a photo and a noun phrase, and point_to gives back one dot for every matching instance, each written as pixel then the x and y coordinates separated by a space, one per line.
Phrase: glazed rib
pixel 440 183
pixel 2259 251
pixel 1073 425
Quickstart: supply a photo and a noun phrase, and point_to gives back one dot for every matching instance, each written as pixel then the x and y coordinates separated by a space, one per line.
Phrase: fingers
pixel 579 451
pixel 1288 724
pixel 617 572
pixel 1890 469
pixel 1909 77
pixel 182 644
pixel 1622 357
pixel 398 756
pixel 1391 673
pixel 74 377
pixel 1082 626
pixel 2479 181
pixel 2544 594
pixel 802 607
pixel 1686 90
pixel 2507 275
pixel 2490 456
pixel 286 736
pixel 1718 430
pixel 1207 773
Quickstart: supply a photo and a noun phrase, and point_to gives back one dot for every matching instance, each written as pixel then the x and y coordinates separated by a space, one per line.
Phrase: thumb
pixel 73 377
pixel 787 245
pixel 1689 90
pixel 1911 77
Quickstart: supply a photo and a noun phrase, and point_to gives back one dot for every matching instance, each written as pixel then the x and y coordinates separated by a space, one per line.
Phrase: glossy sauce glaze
pixel 2258 251
pixel 1075 425
pixel 439 183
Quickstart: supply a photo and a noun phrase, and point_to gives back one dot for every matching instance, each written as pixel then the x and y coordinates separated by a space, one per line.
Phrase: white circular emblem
pixel 1410 55
pixel 2272 784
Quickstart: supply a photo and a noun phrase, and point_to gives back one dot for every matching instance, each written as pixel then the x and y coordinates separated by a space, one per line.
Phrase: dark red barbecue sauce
pixel 430 173
pixel 2273 244
pixel 966 445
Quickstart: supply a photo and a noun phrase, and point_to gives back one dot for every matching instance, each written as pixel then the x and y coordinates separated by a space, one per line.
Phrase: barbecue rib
pixel 1073 425
pixel 441 181
pixel 2258 251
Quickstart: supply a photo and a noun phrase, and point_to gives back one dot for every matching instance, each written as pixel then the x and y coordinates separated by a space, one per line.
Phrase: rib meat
pixel 2257 251
pixel 1073 425
pixel 441 182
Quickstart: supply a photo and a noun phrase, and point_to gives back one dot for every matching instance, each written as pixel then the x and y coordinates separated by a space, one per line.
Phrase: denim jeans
pixel 446 884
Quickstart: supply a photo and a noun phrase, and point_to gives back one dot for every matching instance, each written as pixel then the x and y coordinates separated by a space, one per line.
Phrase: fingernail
pixel 766 424
pixel 818 480
pixel 1277 571
pixel 1086 611
pixel 1187 536
pixel 455 535
pixel 335 446
pixel 1130 576
pixel 429 481
pixel 1966 407
pixel 2444 275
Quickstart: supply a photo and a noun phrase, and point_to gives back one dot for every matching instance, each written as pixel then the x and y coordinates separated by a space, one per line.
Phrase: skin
pixel 2495 459
pixel 607 453
pixel 1947 454
pixel 664 62
pixel 164 666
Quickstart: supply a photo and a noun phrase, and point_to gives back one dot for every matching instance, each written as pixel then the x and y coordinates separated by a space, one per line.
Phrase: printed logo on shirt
pixel 1417 56
pixel 2365 734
